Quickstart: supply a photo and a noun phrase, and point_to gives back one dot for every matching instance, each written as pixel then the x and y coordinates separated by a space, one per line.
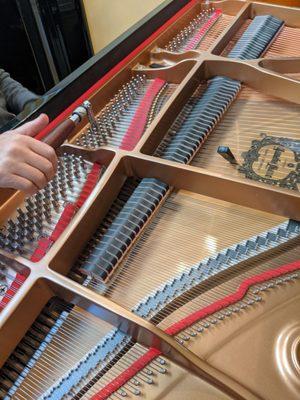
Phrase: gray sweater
pixel 13 97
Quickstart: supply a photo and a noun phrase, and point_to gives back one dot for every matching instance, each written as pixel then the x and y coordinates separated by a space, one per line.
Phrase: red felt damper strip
pixel 68 111
pixel 138 365
pixel 90 183
pixel 126 375
pixel 63 221
pixel 67 215
pixel 195 40
pixel 232 298
pixel 43 245
pixel 139 120
pixel 15 285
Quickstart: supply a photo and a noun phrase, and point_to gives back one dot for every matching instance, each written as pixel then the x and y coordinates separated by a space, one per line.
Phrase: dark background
pixel 22 47
pixel 27 61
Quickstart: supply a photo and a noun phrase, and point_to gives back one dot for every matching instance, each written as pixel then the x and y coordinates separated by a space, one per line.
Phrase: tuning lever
pixel 59 134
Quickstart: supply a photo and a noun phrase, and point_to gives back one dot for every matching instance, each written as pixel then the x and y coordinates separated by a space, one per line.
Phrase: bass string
pixel 129 360
pixel 162 261
pixel 175 219
pixel 47 384
pixel 78 334
pixel 223 286
pixel 285 44
pixel 281 259
pixel 103 370
pixel 53 373
pixel 145 375
pixel 124 359
pixel 269 262
pixel 222 292
pixel 236 37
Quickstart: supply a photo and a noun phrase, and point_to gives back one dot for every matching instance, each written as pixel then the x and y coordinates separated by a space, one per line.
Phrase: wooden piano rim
pixel 47 277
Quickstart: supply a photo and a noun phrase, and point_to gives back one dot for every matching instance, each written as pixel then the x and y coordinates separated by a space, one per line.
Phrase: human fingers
pixel 33 152
pixel 19 183
pixel 43 150
pixel 32 128
pixel 18 149
pixel 31 174
pixel 40 163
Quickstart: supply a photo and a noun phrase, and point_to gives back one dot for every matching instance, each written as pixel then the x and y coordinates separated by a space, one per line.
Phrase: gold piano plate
pixel 168 277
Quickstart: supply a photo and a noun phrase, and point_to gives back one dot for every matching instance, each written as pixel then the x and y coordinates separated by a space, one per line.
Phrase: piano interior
pixel 162 261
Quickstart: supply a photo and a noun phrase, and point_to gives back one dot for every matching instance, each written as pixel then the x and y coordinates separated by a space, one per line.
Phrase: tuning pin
pixel 206 6
pixel 92 120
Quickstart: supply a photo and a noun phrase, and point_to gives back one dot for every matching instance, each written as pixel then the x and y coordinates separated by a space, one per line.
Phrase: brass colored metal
pixel 283 65
pixel 223 356
pixel 279 326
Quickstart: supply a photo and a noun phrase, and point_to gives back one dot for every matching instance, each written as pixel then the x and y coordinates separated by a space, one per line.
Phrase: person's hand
pixel 25 163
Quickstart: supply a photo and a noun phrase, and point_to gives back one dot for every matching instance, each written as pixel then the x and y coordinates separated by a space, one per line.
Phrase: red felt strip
pixel 90 183
pixel 15 285
pixel 232 298
pixel 39 253
pixel 63 221
pixel 61 117
pixel 68 213
pixel 139 120
pixel 43 245
pixel 192 44
pixel 142 362
pixel 126 375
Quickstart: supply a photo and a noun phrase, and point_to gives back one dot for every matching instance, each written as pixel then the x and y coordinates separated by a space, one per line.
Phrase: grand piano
pixel 163 259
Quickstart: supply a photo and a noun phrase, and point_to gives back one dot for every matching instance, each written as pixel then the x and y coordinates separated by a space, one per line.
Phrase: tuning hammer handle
pixel 59 134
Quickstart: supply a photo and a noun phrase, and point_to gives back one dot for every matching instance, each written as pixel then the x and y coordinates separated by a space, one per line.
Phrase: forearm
pixel 15 94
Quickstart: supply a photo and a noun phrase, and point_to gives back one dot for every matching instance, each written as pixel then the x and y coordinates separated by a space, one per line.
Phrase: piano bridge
pixel 163 259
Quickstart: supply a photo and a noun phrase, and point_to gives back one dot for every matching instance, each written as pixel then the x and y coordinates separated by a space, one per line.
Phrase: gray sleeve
pixel 15 94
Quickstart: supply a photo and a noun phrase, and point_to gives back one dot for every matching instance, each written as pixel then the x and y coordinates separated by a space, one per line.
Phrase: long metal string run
pixel 286 44
pixel 73 338
pixel 252 127
pixel 164 249
pixel 58 347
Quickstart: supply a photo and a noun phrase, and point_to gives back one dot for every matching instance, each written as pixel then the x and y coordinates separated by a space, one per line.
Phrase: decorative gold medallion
pixel 273 160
